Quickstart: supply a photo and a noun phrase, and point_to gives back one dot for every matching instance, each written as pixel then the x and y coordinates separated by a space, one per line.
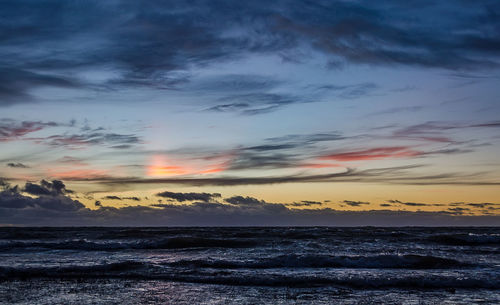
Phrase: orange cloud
pixel 78 174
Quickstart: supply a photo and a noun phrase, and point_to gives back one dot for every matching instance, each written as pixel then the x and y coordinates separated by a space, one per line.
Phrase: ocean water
pixel 314 265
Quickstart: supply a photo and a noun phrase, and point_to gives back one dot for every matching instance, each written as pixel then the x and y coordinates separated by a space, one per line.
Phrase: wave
pixel 466 239
pixel 324 261
pixel 168 243
pixel 101 270
pixel 144 271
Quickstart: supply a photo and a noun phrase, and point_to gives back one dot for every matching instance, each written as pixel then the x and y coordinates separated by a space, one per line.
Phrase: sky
pixel 227 113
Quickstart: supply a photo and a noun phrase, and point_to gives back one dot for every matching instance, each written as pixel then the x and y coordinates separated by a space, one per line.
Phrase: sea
pixel 250 265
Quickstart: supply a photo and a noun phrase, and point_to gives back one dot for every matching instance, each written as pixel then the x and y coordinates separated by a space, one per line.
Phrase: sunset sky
pixel 249 112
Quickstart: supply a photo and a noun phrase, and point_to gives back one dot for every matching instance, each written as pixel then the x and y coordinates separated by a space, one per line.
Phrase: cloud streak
pixel 13 130
pixel 181 197
pixel 389 152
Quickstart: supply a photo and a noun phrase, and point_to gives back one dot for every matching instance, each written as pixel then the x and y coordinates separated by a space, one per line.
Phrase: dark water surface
pixel 250 265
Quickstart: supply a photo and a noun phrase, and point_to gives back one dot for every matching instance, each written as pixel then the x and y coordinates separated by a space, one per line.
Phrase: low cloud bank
pixel 56 208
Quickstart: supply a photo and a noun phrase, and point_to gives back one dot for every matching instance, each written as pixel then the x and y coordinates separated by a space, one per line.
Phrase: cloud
pixel 373 154
pixel 17 165
pixel 394 110
pixel 181 197
pixel 223 181
pixel 255 103
pixel 459 210
pixel 357 34
pixel 54 188
pixel 16 84
pixel 119 141
pixel 240 200
pixel 482 204
pixel 112 198
pixel 307 139
pixel 290 151
pixel 267 99
pixel 350 91
pixel 251 160
pixel 433 131
pixel 12 130
pixel 14 203
pixel 304 203
pixel 355 203
pixel 17 209
pixel 156 44
pixel 132 198
pixel 394 201
pixel 233 84
pixel 414 204
pixel 388 175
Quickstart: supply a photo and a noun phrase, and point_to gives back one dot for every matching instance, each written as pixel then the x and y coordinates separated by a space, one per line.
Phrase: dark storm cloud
pixel 181 197
pixel 152 44
pixel 17 165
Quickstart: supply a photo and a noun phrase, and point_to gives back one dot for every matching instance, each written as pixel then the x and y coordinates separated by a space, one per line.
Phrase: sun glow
pixel 161 166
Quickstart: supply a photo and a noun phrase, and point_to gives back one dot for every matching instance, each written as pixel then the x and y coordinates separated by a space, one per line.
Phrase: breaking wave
pixel 324 261
pixel 144 271
pixel 168 243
